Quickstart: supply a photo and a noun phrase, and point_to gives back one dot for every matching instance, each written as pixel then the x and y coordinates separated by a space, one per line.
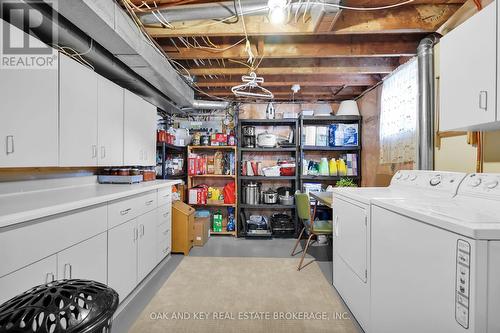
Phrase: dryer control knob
pixel 491 184
pixel 413 177
pixel 435 181
pixel 475 182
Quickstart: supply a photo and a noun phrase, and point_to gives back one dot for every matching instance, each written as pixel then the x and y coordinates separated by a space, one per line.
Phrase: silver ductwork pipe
pixel 210 105
pixel 104 62
pixel 221 10
pixel 427 106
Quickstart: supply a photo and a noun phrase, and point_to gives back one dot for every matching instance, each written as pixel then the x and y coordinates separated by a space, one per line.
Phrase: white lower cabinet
pixel 41 272
pixel 122 258
pixel 132 252
pixel 86 260
pixel 147 244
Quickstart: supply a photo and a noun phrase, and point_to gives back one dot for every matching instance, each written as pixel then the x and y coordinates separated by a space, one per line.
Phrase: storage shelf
pixel 327 148
pixel 310 177
pixel 213 205
pixel 291 149
pixel 290 121
pixel 213 176
pixel 213 147
pixel 270 206
pixel 169 146
pixel 330 119
pixel 229 233
pixel 172 177
pixel 267 178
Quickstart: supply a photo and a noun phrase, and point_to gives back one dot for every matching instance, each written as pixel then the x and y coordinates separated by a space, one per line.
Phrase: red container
pixel 192 166
pixel 161 136
pixel 287 168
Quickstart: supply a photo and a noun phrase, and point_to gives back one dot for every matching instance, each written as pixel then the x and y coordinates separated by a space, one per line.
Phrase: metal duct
pixel 210 105
pixel 426 112
pixel 220 10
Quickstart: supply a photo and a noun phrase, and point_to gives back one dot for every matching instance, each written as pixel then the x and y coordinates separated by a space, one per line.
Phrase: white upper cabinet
pixel 78 144
pixel 110 123
pixel 139 131
pixel 28 117
pixel 468 74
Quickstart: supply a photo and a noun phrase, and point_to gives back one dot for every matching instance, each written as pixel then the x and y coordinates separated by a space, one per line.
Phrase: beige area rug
pixel 213 294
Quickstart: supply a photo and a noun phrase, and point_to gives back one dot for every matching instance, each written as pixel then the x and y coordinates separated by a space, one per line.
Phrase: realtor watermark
pixel 20 47
pixel 249 315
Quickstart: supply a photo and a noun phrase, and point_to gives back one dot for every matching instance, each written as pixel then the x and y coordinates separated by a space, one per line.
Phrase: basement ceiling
pixel 334 56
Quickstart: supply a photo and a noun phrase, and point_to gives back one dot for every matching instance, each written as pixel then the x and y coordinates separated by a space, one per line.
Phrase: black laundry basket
pixel 68 306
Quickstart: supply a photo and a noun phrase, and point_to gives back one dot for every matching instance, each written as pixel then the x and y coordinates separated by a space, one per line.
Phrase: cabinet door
pixel 122 258
pixel 133 130
pixel 41 272
pixel 86 260
pixel 147 252
pixel 468 73
pixel 110 123
pixel 28 116
pixel 77 114
pixel 149 134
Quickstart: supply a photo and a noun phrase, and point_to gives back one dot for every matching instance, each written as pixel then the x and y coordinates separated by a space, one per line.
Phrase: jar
pixel 161 135
pixel 135 172
pixel 123 172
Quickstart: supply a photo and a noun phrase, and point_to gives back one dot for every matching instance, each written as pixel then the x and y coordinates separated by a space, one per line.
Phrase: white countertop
pixel 25 206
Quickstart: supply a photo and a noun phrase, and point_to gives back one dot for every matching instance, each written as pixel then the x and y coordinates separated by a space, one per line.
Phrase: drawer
pixel 165 215
pixel 126 209
pixel 164 245
pixel 165 196
pixel 32 241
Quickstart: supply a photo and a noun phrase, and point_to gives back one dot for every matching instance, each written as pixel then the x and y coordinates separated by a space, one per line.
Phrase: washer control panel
pixel 462 283
pixel 485 185
pixel 441 182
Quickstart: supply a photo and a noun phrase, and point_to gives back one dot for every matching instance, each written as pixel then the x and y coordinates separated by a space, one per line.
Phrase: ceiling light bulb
pixel 277 11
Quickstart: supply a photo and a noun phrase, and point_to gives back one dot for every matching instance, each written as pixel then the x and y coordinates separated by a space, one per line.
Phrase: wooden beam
pixel 308 66
pixel 318 47
pixel 303 80
pixel 419 18
pixel 406 19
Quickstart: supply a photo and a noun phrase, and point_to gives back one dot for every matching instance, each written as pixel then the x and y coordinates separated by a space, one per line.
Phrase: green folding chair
pixel 314 228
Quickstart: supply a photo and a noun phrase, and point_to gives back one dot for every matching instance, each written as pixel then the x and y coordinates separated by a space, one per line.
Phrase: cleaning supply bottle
pixel 323 167
pixel 341 167
pixel 332 167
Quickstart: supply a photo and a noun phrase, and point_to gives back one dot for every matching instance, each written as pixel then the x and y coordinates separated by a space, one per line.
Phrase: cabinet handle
pixel 103 152
pixel 148 203
pixel 9 143
pixel 136 234
pixel 94 151
pixel 141 228
pixel 68 268
pixel 483 100
pixel 49 277
pixel 126 211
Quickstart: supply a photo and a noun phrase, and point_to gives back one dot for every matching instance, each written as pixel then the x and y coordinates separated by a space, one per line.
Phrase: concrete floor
pixel 224 247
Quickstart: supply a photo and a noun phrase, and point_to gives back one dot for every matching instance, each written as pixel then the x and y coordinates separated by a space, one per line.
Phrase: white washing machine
pixel 436 262
pixel 352 230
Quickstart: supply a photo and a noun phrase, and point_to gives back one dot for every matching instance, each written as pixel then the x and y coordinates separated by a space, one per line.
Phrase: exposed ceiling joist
pixel 308 66
pixel 303 80
pixel 318 47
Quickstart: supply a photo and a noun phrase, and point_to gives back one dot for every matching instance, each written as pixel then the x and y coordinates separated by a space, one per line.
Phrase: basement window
pixel 398 115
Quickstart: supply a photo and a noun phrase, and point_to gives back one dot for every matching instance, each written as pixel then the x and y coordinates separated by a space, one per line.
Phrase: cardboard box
pixel 201 230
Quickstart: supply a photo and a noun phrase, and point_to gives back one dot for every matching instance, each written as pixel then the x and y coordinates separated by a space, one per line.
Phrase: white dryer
pixel 352 230
pixel 436 262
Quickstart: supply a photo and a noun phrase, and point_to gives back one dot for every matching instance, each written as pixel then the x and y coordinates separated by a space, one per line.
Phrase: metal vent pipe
pixel 426 111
